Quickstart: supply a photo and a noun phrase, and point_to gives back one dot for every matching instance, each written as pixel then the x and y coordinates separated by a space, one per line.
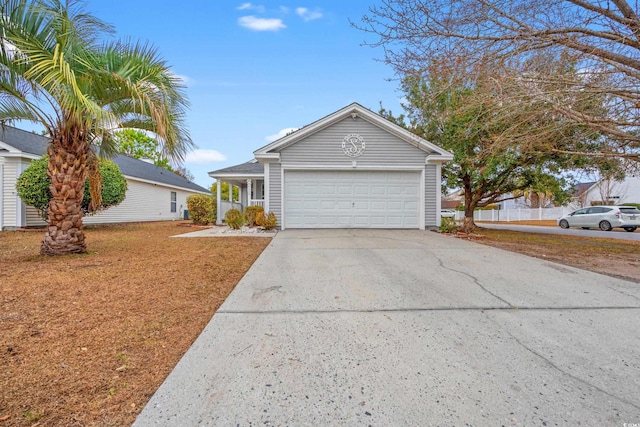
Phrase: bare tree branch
pixel 601 38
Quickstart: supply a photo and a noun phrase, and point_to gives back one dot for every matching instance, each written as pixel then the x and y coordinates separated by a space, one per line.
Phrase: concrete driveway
pixel 399 328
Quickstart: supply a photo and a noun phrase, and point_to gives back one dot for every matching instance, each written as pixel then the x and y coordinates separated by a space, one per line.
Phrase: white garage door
pixel 351 199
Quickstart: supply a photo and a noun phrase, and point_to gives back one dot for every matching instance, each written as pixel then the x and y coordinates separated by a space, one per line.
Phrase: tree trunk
pixel 469 225
pixel 67 170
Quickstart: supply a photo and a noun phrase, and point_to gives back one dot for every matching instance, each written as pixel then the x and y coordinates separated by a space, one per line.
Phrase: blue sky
pixel 255 69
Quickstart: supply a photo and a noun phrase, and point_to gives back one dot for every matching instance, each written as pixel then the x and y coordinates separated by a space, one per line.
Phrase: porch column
pixel 249 197
pixel 218 203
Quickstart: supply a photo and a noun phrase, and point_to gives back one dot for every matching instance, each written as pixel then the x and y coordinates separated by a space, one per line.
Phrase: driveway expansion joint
pixel 426 310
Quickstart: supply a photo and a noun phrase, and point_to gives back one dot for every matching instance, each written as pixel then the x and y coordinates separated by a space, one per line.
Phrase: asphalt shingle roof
pixel 27 142
pixel 32 143
pixel 250 167
pixel 581 187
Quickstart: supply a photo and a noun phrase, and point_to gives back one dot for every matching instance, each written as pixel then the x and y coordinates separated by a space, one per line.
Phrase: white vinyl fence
pixel 517 214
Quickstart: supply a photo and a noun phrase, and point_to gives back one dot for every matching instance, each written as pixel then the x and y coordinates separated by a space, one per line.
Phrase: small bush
pixel 268 221
pixel 33 187
pixel 234 219
pixel 251 213
pixel 448 225
pixel 260 218
pixel 202 209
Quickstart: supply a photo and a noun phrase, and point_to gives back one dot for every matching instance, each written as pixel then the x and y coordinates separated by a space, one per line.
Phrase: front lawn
pixel 87 339
pixel 618 258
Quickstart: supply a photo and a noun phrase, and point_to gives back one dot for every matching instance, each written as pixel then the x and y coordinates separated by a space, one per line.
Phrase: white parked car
pixel 604 217
pixel 447 213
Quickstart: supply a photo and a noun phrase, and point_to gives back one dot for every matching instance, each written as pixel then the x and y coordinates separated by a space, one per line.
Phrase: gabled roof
pixel 582 187
pixel 270 151
pixel 449 204
pixel 16 140
pixel 249 168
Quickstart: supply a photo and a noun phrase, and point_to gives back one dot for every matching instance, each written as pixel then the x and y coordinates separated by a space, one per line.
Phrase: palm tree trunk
pixel 67 170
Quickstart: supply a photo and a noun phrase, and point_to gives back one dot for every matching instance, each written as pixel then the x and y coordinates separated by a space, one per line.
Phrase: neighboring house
pixel 153 193
pixel 607 191
pixel 350 169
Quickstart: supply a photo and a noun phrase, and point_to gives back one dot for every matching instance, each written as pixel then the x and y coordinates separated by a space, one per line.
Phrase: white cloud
pixel 307 14
pixel 261 24
pixel 249 6
pixel 205 156
pixel 186 80
pixel 284 132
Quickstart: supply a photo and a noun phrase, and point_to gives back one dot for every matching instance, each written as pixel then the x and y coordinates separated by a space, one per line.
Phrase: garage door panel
pixel 395 189
pixel 345 189
pixel 295 190
pixel 411 190
pixel 327 189
pixel 343 221
pixel 361 205
pixel 361 189
pixel 361 221
pixel 378 190
pixel 395 221
pixel 311 190
pixel 346 199
pixel 310 204
pixel 395 206
pixel 378 221
pixel 326 205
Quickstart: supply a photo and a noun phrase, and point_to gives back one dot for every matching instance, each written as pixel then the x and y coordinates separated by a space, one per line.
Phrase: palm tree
pixel 57 68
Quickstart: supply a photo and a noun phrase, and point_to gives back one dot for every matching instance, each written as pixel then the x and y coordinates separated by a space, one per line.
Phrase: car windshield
pixel 630 210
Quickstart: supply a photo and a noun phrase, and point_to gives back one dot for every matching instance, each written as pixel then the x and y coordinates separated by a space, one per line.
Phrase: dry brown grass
pixel 618 258
pixel 543 223
pixel 87 339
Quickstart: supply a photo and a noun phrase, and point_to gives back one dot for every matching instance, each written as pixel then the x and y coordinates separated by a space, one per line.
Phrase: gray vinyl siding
pixel 275 191
pixel 325 147
pixel 431 193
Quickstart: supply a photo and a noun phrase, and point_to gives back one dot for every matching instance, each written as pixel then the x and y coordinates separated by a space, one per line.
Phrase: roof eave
pixel 235 175
pixel 444 158
pixel 9 148
pixel 266 157
pixel 162 184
